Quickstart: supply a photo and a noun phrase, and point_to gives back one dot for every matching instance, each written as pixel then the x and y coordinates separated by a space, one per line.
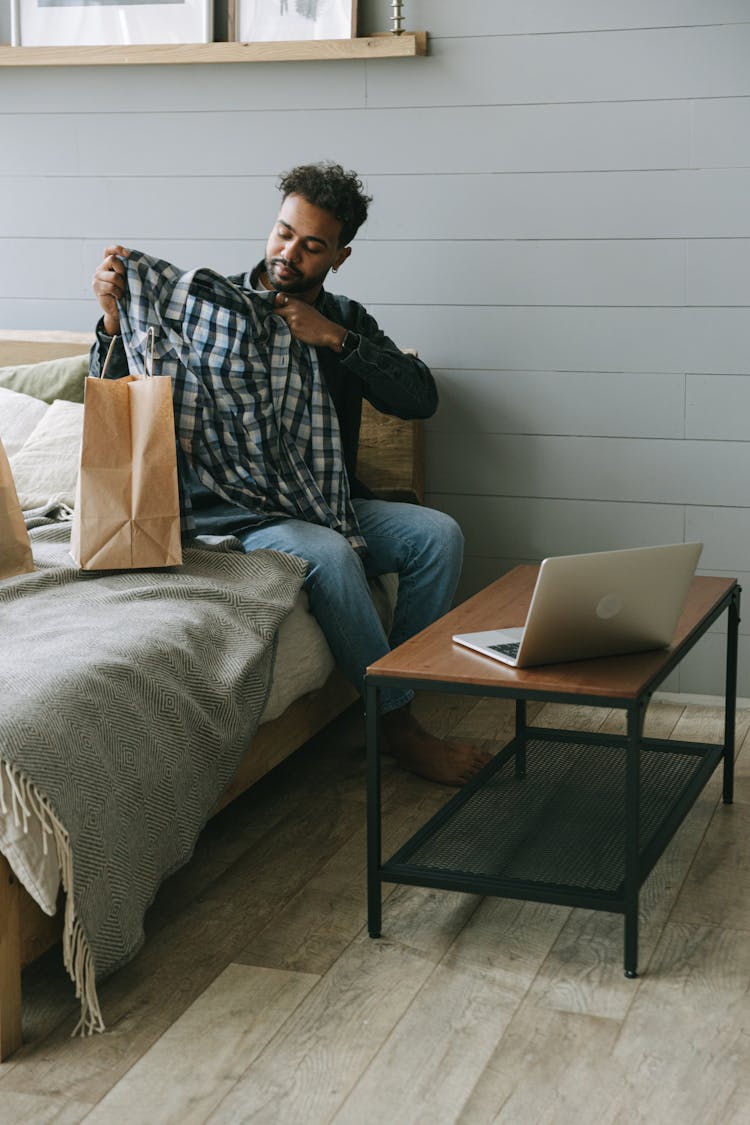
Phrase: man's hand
pixel 109 286
pixel 308 325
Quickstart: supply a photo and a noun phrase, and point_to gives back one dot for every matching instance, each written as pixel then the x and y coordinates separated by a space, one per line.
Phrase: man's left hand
pixel 308 325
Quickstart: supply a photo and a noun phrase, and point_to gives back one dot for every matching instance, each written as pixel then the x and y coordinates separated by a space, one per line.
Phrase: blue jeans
pixel 425 549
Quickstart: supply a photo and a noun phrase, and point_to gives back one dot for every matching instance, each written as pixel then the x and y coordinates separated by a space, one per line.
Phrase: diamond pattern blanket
pixel 128 700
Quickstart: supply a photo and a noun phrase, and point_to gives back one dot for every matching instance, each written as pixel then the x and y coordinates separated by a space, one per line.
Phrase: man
pixel 322 208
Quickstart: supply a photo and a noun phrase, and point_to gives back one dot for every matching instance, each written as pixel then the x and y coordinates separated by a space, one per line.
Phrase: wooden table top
pixel 433 656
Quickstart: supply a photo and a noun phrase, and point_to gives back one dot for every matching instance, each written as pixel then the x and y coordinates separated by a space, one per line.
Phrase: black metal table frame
pixel 637 864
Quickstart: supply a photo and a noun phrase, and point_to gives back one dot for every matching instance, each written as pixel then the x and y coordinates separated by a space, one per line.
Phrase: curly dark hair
pixel 327 185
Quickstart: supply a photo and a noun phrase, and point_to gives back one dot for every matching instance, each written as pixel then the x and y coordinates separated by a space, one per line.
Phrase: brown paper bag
pixel 127 511
pixel 15 548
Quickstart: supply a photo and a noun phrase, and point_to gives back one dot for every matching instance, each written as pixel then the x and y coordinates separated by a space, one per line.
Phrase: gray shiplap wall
pixel 561 227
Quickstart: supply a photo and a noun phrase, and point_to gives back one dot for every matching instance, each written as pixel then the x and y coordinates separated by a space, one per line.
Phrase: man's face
pixel 302 247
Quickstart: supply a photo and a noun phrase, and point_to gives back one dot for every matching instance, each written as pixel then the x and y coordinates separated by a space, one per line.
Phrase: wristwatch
pixel 350 343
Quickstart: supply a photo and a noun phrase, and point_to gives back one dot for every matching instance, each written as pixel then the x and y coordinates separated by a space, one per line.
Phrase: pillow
pixel 46 467
pixel 54 378
pixel 19 415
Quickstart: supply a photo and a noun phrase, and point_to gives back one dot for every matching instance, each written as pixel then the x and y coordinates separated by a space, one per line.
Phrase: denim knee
pixel 336 558
pixel 453 536
pixel 441 531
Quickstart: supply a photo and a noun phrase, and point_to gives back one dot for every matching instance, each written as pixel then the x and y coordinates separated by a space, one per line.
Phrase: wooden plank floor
pixel 258 996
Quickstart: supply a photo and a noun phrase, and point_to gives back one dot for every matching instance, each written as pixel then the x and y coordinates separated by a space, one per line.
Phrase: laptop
pixel 603 604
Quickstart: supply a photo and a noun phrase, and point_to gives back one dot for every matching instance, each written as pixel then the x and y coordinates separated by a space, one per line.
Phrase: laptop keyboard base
pixel 507 649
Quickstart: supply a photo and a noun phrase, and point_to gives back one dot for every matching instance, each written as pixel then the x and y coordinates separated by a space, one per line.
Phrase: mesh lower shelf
pixel 561 825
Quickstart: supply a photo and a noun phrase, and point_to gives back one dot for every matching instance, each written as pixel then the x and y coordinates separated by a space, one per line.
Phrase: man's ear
pixel 341 257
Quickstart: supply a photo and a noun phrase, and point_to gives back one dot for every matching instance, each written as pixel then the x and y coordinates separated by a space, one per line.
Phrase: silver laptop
pixel 602 604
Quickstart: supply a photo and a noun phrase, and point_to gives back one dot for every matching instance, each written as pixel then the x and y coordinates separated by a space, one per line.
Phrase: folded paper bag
pixel 15 548
pixel 127 510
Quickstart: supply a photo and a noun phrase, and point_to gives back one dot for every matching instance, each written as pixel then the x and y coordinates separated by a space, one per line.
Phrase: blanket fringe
pixel 26 802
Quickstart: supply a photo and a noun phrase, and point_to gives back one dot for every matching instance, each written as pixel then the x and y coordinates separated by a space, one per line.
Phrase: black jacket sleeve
pixel 393 381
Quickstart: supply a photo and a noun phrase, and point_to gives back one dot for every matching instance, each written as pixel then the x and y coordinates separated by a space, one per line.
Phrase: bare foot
pixel 414 748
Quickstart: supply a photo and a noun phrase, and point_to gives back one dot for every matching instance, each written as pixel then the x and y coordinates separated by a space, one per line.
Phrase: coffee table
pixel 561 816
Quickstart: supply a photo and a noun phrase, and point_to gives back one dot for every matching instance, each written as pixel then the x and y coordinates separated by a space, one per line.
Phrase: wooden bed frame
pixel 391 461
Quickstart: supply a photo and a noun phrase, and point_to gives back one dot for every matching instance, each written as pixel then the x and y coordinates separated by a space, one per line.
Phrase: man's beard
pixel 298 284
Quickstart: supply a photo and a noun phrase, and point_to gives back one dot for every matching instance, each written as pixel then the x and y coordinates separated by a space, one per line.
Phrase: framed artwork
pixel 290 20
pixel 77 23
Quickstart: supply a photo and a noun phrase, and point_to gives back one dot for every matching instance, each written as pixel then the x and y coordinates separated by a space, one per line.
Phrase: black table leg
pixel 730 698
pixel 632 818
pixel 521 738
pixel 374 859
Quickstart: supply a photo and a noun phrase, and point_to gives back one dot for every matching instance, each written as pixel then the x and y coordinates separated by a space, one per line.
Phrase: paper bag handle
pixel 103 371
pixel 148 362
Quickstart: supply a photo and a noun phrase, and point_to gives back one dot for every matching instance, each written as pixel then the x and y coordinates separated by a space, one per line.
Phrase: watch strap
pixel 350 343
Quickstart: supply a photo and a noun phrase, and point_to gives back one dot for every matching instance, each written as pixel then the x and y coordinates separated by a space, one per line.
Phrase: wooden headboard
pixel 33 347
pixel 391 451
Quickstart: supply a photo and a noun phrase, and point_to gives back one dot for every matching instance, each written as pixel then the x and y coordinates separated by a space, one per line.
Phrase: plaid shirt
pixel 253 416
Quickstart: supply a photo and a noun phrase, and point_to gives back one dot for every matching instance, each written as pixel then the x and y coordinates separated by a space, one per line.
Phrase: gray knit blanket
pixel 128 700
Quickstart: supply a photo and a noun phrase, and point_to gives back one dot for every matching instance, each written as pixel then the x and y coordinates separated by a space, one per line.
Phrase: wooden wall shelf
pixel 386 46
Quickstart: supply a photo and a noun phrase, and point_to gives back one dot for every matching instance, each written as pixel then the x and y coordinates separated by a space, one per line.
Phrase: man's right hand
pixel 109 286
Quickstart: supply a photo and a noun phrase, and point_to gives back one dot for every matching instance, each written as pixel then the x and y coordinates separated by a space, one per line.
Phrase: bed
pixel 304 693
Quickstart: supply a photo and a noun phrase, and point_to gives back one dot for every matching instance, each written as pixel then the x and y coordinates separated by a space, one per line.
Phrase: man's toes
pixel 478 758
pixel 473 770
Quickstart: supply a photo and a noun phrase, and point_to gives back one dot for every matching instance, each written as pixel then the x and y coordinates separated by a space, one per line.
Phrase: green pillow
pixel 54 378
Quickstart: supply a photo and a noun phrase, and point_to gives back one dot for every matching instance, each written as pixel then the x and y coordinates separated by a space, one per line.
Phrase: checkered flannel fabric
pixel 252 413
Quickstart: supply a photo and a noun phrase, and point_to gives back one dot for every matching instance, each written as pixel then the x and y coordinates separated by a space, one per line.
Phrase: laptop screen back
pixel 607 603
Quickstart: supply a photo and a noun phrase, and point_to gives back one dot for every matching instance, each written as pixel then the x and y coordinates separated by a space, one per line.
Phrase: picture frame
pixel 258 21
pixel 76 23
